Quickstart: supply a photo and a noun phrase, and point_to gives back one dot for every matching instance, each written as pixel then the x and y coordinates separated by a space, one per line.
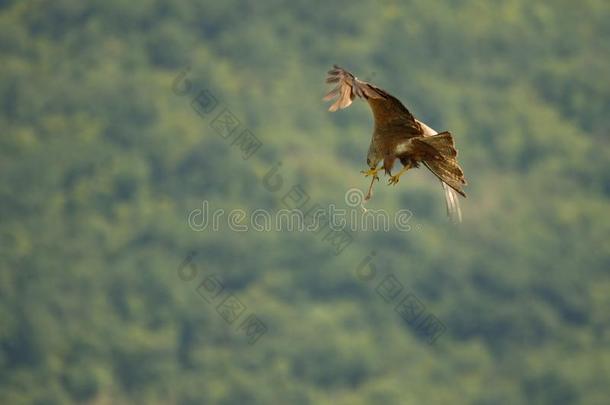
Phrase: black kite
pixel 398 135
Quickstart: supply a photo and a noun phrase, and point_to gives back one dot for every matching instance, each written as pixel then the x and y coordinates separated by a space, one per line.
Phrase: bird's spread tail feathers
pixel 453 204
pixel 443 163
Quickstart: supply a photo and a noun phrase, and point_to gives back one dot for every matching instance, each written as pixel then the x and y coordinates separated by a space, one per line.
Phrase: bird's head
pixel 372 160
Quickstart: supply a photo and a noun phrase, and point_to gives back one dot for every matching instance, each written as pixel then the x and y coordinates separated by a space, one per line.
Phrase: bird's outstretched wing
pixel 387 109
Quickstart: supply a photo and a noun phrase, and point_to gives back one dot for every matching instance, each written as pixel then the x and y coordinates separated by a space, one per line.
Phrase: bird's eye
pixel 368 161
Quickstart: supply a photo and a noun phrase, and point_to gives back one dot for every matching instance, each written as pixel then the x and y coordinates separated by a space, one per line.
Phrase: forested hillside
pixel 110 140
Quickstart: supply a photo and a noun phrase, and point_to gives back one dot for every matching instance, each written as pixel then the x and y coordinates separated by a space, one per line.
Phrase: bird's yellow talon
pixel 370 172
pixel 393 180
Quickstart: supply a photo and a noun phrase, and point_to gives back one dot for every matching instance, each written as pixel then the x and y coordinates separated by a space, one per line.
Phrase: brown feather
pixel 394 124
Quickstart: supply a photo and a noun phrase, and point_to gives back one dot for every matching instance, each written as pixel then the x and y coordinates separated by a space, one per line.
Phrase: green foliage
pixel 101 162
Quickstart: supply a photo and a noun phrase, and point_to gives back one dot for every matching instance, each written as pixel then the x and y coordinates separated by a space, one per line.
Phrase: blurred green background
pixel 101 163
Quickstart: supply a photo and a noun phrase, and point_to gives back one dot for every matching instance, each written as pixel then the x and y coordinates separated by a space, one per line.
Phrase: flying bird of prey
pixel 398 135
